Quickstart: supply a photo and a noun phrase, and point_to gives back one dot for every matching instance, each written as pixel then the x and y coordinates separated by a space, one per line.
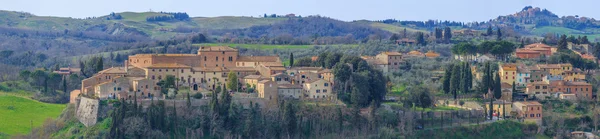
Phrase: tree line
pixel 497 48
pixel 458 78
pixel 171 16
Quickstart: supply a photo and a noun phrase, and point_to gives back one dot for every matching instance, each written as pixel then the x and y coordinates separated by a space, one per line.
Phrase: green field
pixel 394 28
pixel 268 46
pixel 562 30
pixel 18 114
pixel 556 30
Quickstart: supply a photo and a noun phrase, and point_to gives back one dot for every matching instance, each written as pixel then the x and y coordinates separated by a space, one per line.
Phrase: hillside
pixel 19 114
pixel 307 27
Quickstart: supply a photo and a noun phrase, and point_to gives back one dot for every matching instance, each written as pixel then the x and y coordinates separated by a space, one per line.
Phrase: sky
pixel 347 10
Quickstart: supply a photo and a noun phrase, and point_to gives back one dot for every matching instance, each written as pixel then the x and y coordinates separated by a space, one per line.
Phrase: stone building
pixel 317 89
pixel 528 110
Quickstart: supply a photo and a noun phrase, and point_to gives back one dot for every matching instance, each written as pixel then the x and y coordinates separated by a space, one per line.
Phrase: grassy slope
pixel 562 30
pixel 233 22
pixel 16 113
pixel 394 28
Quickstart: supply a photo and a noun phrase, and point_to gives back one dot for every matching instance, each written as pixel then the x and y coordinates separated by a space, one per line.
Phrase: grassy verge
pixel 19 114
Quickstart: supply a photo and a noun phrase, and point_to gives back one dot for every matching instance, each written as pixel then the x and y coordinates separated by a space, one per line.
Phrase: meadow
pixel 19 114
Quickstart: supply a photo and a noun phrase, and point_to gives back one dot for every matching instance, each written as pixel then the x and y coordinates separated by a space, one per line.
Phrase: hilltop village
pixel 264 76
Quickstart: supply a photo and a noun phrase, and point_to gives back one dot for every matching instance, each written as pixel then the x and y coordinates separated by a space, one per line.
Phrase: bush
pixel 197 96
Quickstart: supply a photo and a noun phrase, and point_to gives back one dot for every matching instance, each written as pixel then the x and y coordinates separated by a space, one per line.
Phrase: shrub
pixel 197 96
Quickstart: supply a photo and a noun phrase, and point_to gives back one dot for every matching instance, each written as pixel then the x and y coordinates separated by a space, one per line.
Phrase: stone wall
pixel 87 111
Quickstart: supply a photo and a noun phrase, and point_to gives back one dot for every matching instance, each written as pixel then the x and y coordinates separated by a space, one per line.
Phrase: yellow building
pixel 555 69
pixel 508 73
pixel 267 89
pixel 317 89
pixel 500 107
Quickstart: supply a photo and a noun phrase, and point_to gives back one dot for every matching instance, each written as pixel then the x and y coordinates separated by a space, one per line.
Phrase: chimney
pixel 126 65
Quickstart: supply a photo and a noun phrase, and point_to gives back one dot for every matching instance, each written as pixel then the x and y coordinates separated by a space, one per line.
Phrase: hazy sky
pixel 457 10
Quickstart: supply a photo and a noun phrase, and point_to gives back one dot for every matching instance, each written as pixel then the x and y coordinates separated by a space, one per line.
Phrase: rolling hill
pixel 19 114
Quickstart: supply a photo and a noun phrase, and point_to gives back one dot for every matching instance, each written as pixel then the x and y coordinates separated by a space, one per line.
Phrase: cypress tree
pixel 446 79
pixel 455 80
pixel 497 87
pixel 291 59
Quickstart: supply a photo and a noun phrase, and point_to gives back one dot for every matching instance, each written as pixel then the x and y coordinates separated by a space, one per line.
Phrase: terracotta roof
pixel 240 69
pixel 392 53
pixel 168 65
pixel 272 64
pixel 414 52
pixel 537 83
pixel 325 71
pixel 375 62
pixel 431 54
pixel 258 59
pixel 539 49
pixel 549 66
pixel 577 83
pixel 526 51
pixel 277 68
pixel 277 74
pixel 165 55
pixel 215 69
pixel 253 77
pixel 523 69
pixel 264 81
pixel 113 70
pixel 315 80
pixel 510 67
pixel 537 45
pixel 529 103
pixel 306 68
pixel 215 48
pixel 289 86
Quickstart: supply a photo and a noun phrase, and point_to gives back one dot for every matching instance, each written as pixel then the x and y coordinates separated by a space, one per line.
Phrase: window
pixel 152 69
pixel 214 73
pixel 324 90
pixel 506 77
pixel 205 59
pixel 181 70
pixel 159 77
pixel 173 70
pixel 326 84
pixel 531 115
pixel 159 70
pixel 223 52
pixel 318 91
pixel 539 115
pixel 217 58
pixel 538 108
pixel 152 77
pixel 146 86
